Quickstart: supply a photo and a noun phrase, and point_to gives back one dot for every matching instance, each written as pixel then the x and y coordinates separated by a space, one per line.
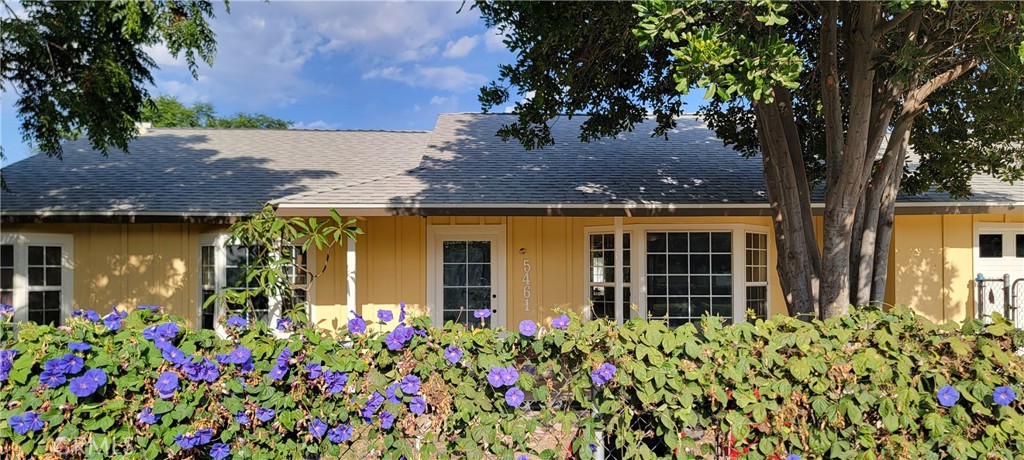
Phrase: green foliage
pixel 81 67
pixel 276 244
pixel 166 111
pixel 861 386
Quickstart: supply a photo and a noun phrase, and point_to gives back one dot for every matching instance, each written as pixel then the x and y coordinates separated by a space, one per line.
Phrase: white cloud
pixel 446 78
pixel 461 47
pixel 493 40
pixel 439 100
pixel 319 124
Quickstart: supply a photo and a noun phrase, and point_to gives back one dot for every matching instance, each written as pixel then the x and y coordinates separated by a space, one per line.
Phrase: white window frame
pixel 220 241
pixel 638 262
pixel 435 293
pixel 21 242
pixel 768 276
pixel 1009 261
pixel 588 284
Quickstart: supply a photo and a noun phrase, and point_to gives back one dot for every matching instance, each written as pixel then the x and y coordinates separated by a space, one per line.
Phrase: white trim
pixel 21 242
pixel 618 271
pixel 495 233
pixel 638 248
pixel 634 205
pixel 350 277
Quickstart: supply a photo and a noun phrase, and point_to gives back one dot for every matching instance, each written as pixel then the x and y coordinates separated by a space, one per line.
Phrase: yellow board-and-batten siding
pixel 931 266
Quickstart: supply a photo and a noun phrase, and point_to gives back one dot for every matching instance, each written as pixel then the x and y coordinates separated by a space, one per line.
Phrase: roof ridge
pixel 201 128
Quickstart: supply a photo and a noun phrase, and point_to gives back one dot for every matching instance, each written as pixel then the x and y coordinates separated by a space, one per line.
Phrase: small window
pixel 1020 245
pixel 602 275
pixel 35 276
pixel 7 274
pixel 757 275
pixel 990 245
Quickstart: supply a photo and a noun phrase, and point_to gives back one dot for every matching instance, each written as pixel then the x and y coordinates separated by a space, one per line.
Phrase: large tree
pixel 168 112
pixel 829 94
pixel 81 67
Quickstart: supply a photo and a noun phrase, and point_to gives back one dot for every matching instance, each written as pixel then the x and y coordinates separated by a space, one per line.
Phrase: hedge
pixel 873 384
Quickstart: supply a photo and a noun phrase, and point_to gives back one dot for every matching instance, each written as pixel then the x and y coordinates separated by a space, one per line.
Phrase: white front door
pixel 466 274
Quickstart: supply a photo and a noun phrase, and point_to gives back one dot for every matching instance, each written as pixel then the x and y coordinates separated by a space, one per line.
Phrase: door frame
pixel 495 233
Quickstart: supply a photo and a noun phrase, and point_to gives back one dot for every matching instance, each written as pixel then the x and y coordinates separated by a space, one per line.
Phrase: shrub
pixel 872 384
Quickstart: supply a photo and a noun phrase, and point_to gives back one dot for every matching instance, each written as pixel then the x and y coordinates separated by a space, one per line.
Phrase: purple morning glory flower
pixel 511 376
pixel 318 428
pixel 794 457
pixel 147 308
pixel 26 422
pixel 83 386
pixel 418 405
pixel 335 381
pixel 242 418
pixel 393 341
pixel 166 331
pixel 112 321
pixel 52 378
pixel 453 354
pixel 514 397
pixel 496 376
pixel 357 325
pixel 162 344
pixel 561 322
pixel 91 315
pixel 948 396
pixel 277 372
pixel 186 441
pixel 285 355
pixel 148 417
pixel 236 321
pixel 285 324
pixel 166 385
pixel 204 369
pixel 482 313
pixel 410 384
pixel 239 355
pixel 205 435
pixel 173 355
pixel 527 328
pixel 79 346
pixel 70 364
pixel 374 403
pixel 603 374
pixel 96 375
pixel 387 420
pixel 385 315
pixel 340 434
pixel 264 414
pixel 247 366
pixel 314 370
pixel 401 312
pixel 1004 395
pixel 220 451
pixel 6 309
pixel 390 394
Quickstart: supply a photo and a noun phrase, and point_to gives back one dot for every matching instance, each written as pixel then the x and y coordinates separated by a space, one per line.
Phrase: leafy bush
pixel 872 384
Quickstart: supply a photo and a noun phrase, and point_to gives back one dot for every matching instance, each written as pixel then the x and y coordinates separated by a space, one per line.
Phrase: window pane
pixel 757 302
pixel 35 255
pixel 603 299
pixel 721 242
pixel 656 242
pixel 36 276
pixel 1020 245
pixel 6 278
pixel 479 274
pixel 678 242
pixel 53 276
pixel 454 275
pixel 990 246
pixel 480 251
pixel 700 242
pixel 53 255
pixel 7 255
pixel 454 251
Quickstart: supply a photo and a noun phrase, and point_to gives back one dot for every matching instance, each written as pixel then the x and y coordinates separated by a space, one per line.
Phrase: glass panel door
pixel 466 282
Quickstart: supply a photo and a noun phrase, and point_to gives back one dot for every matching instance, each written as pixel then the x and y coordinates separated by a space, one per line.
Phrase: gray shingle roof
pixel 459 164
pixel 466 164
pixel 203 171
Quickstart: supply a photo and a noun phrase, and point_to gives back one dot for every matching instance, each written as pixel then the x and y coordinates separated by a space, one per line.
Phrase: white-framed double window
pixel 223 266
pixel 680 273
pixel 36 276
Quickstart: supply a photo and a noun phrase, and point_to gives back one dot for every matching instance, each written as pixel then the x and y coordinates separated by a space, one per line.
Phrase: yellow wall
pixel 931 264
pixel 391 263
pixel 932 267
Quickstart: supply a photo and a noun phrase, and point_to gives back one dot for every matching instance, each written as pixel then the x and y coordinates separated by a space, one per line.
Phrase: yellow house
pixel 455 221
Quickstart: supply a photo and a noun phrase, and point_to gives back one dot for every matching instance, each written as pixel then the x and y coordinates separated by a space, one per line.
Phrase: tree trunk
pixel 789 198
pixel 847 171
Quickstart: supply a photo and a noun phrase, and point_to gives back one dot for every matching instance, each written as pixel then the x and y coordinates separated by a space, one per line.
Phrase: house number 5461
pixel 526 283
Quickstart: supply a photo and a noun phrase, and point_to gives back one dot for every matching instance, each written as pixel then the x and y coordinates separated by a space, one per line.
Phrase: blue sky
pixel 331 65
